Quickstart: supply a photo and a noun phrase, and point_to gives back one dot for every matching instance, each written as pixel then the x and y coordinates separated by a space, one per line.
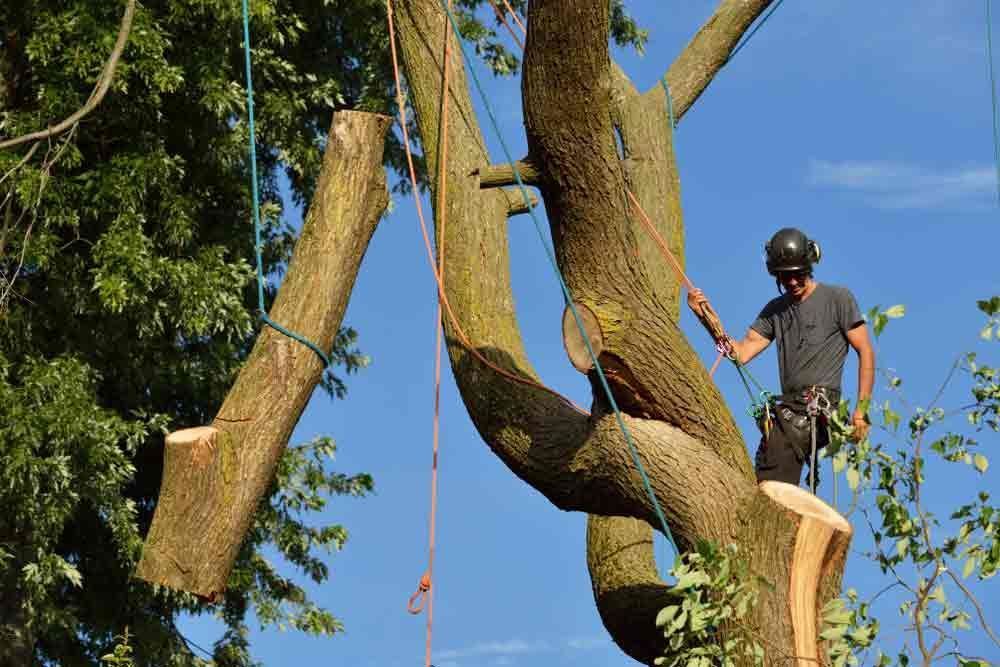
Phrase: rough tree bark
pixel 214 477
pixel 692 449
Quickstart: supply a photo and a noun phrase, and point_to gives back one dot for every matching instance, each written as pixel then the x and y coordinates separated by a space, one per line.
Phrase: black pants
pixel 782 454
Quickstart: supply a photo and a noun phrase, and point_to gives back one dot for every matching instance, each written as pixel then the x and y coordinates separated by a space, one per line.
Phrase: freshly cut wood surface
pixel 821 535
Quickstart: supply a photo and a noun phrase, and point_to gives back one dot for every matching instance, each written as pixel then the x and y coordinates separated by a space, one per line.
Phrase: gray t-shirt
pixel 811 336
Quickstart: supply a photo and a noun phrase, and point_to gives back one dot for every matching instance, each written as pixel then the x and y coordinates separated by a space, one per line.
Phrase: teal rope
pixel 993 93
pixel 256 205
pixel 562 284
pixel 746 38
pixel 670 104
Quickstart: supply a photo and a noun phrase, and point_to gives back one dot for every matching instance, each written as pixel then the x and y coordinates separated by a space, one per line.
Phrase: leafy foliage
pixel 921 553
pixel 714 591
pixel 128 303
pixel 122 654
pixel 848 629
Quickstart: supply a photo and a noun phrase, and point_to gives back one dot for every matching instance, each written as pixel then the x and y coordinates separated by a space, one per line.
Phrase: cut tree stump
pixel 820 544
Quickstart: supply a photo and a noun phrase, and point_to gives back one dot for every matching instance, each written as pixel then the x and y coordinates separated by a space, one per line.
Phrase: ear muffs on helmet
pixel 814 252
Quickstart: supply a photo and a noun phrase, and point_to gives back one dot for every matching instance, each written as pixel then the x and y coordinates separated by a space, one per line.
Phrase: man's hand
pixel 861 425
pixel 695 300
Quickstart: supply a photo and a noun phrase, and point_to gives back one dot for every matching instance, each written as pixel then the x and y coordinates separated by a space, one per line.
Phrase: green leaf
pixel 980 462
pixel 895 312
pixel 970 566
pixel 840 461
pixel 902 545
pixel 833 633
pixel 990 306
pixel 853 478
pixel 666 615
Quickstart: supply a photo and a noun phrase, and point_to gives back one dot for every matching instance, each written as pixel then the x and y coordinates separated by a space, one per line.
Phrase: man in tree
pixel 814 324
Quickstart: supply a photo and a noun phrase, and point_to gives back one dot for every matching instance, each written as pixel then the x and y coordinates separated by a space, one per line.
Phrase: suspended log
pixel 214 477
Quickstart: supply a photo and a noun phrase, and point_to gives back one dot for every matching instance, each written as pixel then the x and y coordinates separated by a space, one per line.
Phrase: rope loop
pixel 419 597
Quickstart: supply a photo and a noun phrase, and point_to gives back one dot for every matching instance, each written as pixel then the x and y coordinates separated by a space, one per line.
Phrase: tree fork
pixel 214 477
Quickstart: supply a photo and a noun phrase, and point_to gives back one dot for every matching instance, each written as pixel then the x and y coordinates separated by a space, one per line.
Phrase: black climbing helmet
pixel 790 250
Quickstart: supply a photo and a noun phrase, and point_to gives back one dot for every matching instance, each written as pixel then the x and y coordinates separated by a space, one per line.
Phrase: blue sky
pixel 866 124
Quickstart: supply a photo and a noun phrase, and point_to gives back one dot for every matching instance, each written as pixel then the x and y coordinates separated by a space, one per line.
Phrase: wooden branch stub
pixel 822 535
pixel 500 175
pixel 517 205
pixel 574 343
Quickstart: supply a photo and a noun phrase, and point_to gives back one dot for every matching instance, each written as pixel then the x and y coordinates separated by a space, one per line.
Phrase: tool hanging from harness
pixel 817 408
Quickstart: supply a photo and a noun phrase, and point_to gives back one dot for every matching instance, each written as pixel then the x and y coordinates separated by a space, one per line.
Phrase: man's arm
pixel 859 340
pixel 752 344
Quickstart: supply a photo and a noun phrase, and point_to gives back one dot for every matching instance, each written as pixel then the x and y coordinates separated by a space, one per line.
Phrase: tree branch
pixel 100 88
pixel 498 175
pixel 214 477
pixel 708 52
pixel 573 109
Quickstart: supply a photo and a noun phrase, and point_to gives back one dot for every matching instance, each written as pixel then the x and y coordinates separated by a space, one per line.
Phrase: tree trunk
pixel 689 444
pixel 214 477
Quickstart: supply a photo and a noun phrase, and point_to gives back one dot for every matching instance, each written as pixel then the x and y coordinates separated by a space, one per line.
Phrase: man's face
pixel 794 282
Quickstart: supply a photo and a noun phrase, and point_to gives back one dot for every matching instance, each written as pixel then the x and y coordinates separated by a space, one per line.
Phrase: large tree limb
pixel 100 88
pixel 215 477
pixel 570 107
pixel 578 463
pixel 708 52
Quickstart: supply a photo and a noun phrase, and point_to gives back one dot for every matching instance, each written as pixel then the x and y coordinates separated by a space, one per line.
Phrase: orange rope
pixel 643 217
pixel 424 592
pixel 503 19
pixel 517 19
pixel 463 338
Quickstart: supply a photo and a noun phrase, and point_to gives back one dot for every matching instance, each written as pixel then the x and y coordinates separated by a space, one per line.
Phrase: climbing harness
pixel 817 407
pixel 258 245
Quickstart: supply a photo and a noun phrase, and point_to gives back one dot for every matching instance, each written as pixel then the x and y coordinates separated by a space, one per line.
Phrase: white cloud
pixel 506 647
pixel 588 643
pixel 898 185
pixel 504 652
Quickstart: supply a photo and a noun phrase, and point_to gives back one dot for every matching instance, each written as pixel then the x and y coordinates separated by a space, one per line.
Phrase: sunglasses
pixel 789 276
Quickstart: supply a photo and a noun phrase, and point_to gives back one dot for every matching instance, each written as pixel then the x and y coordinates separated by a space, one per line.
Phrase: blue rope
pixel 993 93
pixel 256 206
pixel 746 38
pixel 670 104
pixel 562 284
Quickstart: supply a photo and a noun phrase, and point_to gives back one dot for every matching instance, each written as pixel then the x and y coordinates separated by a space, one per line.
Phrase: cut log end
pixel 201 440
pixel 821 537
pixel 574 342
pixel 801 502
